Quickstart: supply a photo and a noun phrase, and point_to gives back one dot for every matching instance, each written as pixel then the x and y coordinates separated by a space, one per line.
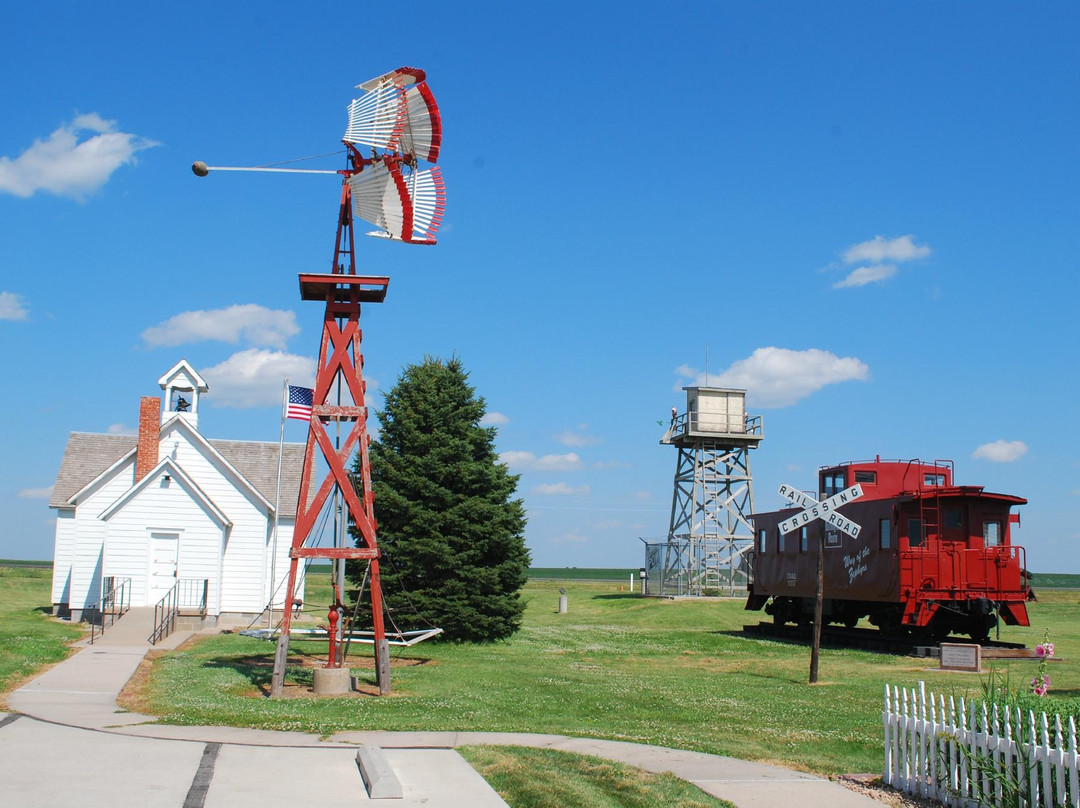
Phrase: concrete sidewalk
pixel 68 741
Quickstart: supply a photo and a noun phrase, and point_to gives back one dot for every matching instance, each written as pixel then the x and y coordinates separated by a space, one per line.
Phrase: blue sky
pixel 865 213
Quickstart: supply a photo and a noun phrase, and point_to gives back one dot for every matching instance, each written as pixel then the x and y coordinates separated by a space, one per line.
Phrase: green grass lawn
pixel 548 778
pixel 29 638
pixel 617 666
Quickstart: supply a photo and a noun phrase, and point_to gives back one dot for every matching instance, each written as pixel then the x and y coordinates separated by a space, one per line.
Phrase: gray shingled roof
pixel 87 455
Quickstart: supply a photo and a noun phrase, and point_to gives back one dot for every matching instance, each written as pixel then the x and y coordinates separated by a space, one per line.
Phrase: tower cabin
pixel 714 414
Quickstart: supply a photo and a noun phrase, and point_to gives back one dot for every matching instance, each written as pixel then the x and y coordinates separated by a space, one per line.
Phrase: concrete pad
pixel 45 765
pixel 262 777
pixel 439 778
pixel 265 777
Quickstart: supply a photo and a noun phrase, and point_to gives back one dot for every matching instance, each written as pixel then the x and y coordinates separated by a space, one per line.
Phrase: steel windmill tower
pixel 710 532
pixel 398 119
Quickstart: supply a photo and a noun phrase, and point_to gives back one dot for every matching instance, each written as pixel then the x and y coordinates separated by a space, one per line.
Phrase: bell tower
pixel 183 387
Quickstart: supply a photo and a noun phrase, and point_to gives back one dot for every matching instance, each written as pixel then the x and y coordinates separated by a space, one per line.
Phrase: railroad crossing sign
pixel 824 510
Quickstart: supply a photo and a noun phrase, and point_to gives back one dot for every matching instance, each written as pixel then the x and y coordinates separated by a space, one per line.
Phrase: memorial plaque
pixel 957 656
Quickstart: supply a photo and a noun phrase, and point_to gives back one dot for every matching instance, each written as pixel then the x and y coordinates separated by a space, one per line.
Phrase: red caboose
pixel 930 556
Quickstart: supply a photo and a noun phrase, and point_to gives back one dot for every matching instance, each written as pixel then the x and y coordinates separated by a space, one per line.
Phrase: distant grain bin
pixel 710 532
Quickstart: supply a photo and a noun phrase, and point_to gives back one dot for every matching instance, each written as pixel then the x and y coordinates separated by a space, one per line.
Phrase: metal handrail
pixel 186 594
pixel 733 424
pixel 115 603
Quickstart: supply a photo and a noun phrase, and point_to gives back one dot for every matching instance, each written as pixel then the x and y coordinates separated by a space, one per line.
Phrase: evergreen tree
pixel 450 531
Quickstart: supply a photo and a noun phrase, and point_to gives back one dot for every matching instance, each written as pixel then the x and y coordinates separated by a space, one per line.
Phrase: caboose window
pixel 779 541
pixel 869 477
pixel 885 532
pixel 834 483
pixel 933 480
pixel 804 536
pixel 915 532
pixel 761 540
pixel 991 534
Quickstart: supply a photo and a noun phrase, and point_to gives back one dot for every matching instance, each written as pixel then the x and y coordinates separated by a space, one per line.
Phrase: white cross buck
pixel 824 510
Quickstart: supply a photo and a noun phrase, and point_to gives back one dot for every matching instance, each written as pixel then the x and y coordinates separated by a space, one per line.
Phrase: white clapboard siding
pixel 88 552
pixel 243 559
pixel 948 750
pixel 164 506
pixel 63 552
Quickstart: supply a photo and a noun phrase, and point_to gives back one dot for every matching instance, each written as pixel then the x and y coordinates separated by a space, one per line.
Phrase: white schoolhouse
pixel 169 507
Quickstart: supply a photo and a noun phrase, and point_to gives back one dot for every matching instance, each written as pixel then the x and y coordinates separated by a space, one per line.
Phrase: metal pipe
pixel 201 169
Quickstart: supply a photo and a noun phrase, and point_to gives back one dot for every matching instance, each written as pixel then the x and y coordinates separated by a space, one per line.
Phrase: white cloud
pixel 880 249
pixel 779 377
pixel 556 462
pixel 256 325
pixel 36 493
pixel 864 275
pixel 253 378
pixel 12 307
pixel 1001 451
pixel 494 419
pixel 642 496
pixel 121 429
pixel 64 166
pixel 880 257
pixel 579 438
pixel 552 462
pixel 561 489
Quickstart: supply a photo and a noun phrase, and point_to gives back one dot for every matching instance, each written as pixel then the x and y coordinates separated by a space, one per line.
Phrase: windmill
pixel 397 188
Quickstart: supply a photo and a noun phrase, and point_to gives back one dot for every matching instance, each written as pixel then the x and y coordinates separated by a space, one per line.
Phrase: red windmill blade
pixel 398 113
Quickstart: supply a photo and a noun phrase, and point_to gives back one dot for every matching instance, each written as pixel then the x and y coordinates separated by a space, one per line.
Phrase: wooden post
pixel 815 648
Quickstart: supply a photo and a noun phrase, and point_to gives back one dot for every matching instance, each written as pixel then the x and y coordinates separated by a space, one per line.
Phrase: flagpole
pixel 277 505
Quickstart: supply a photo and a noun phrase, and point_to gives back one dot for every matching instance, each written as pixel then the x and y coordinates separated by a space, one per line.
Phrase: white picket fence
pixel 967 755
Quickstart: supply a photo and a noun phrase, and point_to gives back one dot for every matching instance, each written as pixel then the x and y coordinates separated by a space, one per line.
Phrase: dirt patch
pixel 871 786
pixel 258 669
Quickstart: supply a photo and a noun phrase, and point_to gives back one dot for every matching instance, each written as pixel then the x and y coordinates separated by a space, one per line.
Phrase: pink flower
pixel 1049 649
pixel 1040 651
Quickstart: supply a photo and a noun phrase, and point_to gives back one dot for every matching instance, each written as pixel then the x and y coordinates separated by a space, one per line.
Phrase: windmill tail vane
pixel 399 119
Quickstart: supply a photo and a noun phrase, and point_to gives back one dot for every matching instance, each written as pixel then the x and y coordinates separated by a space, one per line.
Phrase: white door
pixel 164 551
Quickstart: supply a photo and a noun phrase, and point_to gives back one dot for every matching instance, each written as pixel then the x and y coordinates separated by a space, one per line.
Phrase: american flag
pixel 299 406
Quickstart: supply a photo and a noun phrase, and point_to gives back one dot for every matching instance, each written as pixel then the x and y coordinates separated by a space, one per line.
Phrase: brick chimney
pixel 146 455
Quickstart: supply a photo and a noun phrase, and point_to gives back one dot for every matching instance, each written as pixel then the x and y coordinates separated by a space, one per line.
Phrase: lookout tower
pixel 710 530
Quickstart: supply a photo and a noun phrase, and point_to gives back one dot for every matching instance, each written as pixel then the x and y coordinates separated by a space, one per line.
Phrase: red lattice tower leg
pixel 343 291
